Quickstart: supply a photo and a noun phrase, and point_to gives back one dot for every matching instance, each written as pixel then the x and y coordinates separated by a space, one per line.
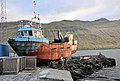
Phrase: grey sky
pixel 56 10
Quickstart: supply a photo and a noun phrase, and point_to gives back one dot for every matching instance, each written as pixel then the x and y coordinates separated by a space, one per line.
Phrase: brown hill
pixel 98 34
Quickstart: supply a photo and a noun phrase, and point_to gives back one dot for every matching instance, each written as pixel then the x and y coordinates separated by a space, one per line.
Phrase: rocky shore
pixel 83 66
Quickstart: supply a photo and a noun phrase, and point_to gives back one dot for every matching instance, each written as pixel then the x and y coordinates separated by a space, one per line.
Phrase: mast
pixel 34 9
pixel 37 16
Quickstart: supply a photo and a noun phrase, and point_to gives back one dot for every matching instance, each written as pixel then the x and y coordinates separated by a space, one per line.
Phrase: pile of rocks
pixel 83 66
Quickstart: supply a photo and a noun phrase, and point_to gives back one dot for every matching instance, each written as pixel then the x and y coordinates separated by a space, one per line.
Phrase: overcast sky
pixel 57 10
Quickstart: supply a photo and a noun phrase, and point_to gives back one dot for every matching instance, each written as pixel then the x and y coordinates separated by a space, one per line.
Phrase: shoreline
pixel 97 49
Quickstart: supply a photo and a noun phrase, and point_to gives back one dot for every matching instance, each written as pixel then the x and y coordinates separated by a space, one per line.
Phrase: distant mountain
pixel 102 19
pixel 98 34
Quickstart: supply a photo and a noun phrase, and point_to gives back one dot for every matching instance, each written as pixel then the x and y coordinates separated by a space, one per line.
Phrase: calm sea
pixel 106 74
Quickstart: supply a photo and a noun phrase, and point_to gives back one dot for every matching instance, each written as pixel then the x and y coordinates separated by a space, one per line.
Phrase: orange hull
pixel 54 51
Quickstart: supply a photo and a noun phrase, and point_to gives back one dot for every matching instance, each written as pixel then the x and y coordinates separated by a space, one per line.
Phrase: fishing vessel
pixel 31 42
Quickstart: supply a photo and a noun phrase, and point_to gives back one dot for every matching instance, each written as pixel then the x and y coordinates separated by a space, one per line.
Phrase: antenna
pixel 3 11
pixel 3 17
pixel 36 16
pixel 34 8
pixel 39 21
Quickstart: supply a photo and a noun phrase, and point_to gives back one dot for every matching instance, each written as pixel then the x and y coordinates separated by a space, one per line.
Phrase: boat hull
pixel 42 50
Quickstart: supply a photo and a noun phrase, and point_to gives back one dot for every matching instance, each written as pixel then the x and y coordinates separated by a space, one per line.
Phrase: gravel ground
pixel 38 75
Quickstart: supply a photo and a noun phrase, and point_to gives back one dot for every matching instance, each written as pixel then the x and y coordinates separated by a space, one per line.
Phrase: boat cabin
pixel 30 29
pixel 31 32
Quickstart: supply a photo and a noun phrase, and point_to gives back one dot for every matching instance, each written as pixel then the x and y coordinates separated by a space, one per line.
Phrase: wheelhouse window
pixel 30 33
pixel 25 33
pixel 35 33
pixel 21 33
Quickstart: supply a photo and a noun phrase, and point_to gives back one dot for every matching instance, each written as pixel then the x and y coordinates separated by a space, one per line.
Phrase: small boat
pixel 31 42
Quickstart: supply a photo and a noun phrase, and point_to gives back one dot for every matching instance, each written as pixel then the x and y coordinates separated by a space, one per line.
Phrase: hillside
pixel 98 34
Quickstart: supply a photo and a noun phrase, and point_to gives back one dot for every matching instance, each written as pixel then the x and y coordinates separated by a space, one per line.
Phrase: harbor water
pixel 106 74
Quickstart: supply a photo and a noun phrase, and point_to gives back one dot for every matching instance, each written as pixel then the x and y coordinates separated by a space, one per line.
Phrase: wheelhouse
pixel 31 32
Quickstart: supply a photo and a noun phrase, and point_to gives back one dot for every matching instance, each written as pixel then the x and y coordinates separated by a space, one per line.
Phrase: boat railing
pixel 29 24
